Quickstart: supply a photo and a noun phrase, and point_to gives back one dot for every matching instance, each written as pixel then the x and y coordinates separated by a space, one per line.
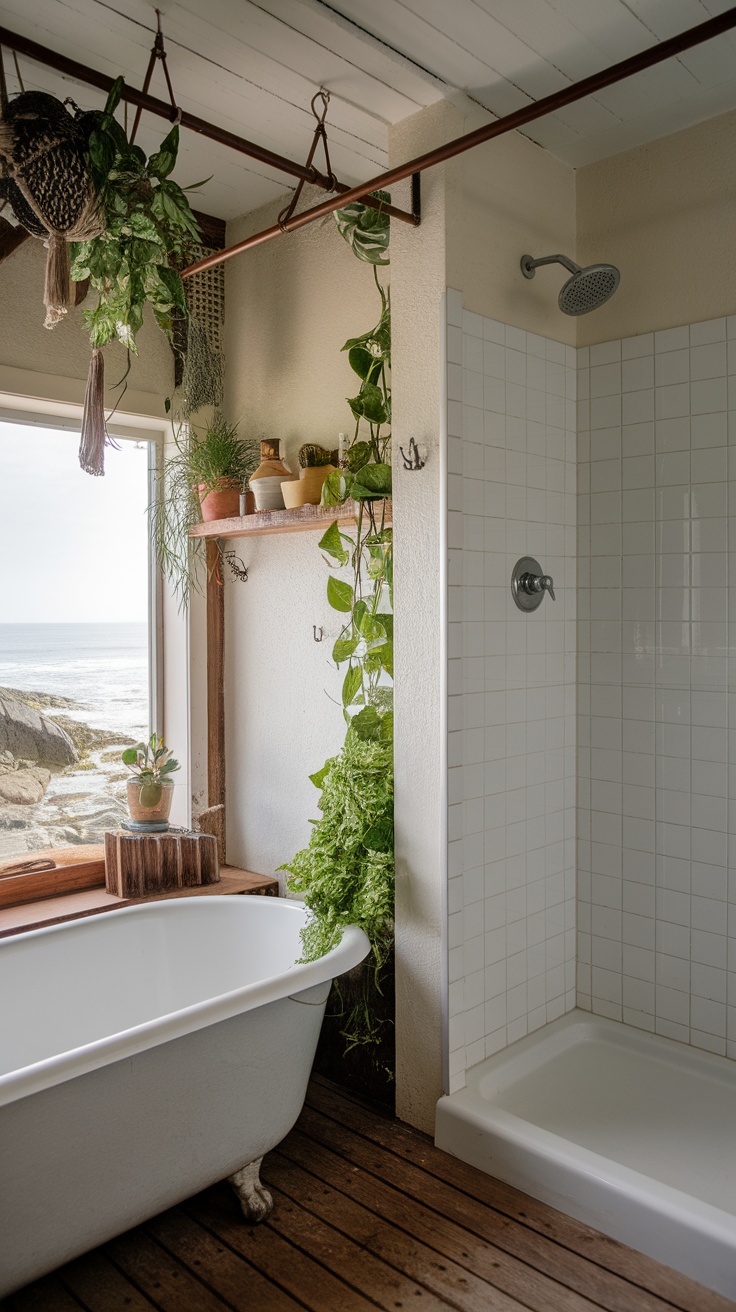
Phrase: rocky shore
pixel 61 781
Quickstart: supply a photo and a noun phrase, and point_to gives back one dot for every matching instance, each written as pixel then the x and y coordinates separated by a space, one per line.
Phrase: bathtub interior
pixel 132 968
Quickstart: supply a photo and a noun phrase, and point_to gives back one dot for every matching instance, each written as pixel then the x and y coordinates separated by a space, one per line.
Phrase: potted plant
pixel 201 479
pixel 150 788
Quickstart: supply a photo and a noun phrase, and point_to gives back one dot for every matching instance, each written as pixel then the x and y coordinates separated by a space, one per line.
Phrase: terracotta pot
pixel 150 802
pixel 221 503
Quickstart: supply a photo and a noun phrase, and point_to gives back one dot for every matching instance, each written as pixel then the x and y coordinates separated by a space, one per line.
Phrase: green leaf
pixel 318 779
pixel 114 94
pixel 386 654
pixel 363 363
pixel 336 488
pixel 387 727
pixel 367 231
pixel 162 162
pixel 129 756
pixel 380 836
pixel 339 594
pixel 101 149
pixel 369 404
pixel 343 648
pixel 331 543
pixel 358 455
pixel 367 724
pixel 372 481
pixel 352 682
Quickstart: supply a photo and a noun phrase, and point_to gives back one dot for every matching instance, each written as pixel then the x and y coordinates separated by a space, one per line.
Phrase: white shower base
pixel 631 1133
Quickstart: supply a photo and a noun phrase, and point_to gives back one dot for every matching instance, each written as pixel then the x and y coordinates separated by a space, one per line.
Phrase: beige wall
pixel 290 306
pixel 52 364
pixel 665 214
pixel 508 198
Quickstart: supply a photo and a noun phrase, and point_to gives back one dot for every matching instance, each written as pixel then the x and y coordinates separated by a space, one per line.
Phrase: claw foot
pixel 255 1200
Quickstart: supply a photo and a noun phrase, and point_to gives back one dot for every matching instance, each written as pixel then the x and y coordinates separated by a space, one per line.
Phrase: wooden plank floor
pixel 369 1214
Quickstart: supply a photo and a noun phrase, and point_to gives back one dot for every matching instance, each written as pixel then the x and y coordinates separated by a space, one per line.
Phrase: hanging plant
pixel 147 225
pixel 346 873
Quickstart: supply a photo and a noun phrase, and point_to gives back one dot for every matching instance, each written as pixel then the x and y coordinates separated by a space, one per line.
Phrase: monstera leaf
pixel 366 230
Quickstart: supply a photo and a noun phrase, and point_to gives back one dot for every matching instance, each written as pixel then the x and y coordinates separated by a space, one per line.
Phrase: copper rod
pixel 674 45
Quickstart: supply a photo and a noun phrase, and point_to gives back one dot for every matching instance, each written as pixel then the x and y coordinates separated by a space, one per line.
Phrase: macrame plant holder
pixel 44 177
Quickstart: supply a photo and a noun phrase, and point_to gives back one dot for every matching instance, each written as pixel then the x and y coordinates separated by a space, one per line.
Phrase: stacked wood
pixel 137 865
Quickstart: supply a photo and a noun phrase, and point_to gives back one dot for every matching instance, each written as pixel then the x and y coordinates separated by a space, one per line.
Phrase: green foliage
pixel 366 230
pixel 148 225
pixel 151 762
pixel 210 457
pixel 346 874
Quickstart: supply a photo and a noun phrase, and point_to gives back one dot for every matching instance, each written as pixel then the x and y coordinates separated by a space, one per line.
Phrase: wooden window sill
pixel 73 906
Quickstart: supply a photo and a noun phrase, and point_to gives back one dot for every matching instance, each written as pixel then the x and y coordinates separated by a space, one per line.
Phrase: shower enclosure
pixel 589 748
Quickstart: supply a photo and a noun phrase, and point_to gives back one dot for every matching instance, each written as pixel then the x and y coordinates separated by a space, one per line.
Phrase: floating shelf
pixel 278 521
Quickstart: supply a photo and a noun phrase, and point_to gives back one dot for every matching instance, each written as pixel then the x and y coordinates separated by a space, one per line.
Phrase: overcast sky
pixel 72 547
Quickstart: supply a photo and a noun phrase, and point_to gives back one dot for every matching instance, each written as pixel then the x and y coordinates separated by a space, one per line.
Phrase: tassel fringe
pixel 94 433
pixel 56 289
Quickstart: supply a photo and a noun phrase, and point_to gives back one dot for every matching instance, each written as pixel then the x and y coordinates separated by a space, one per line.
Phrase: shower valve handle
pixel 533 583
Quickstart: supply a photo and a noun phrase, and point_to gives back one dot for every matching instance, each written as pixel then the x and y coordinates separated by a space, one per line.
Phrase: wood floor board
pixel 585 1284
pixel 635 1268
pixel 446 1247
pixel 369 1217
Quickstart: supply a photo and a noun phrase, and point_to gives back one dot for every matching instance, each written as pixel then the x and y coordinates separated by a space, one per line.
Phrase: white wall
pixel 656 914
pixel 511 685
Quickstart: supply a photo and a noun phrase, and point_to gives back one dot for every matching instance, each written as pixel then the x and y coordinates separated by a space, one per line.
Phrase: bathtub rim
pixel 299 978
pixel 561 1164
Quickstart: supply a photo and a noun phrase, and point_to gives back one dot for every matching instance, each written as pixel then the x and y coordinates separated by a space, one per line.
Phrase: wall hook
pixel 318 633
pixel 413 460
pixel 236 565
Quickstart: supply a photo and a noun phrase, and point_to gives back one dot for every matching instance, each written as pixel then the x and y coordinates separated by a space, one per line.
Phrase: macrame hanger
pixel 158 51
pixel 320 134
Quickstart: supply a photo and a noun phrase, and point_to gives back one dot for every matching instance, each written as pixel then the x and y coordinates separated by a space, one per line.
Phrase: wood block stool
pixel 140 864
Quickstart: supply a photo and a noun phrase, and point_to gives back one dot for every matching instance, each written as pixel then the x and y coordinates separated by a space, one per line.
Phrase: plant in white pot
pixel 150 787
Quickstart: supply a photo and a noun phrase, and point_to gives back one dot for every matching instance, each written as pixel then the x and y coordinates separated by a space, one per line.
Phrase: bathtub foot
pixel 255 1201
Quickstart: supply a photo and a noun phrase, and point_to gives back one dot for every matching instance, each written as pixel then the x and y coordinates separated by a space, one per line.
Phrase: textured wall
pixel 511 685
pixel 657 753
pixel 290 306
pixel 665 214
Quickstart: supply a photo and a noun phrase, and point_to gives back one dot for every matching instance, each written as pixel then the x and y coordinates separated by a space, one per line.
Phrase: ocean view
pixel 99 674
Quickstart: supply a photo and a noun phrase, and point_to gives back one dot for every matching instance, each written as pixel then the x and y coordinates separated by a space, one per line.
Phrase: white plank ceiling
pixel 252 66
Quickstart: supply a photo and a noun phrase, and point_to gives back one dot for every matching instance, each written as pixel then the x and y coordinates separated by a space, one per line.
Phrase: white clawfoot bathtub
pixel 627 1131
pixel 145 1054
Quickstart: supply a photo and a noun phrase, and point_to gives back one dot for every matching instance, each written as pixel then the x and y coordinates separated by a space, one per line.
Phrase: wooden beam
pixel 216 693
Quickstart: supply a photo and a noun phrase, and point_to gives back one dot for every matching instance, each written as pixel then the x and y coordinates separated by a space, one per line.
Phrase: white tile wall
pixel 657 686
pixel 511 685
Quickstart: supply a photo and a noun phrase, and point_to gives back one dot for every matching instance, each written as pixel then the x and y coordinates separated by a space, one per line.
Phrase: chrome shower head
pixel 586 290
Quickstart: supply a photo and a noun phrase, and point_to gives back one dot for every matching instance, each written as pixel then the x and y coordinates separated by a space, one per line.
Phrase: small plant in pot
pixel 150 787
pixel 201 479
pixel 220 464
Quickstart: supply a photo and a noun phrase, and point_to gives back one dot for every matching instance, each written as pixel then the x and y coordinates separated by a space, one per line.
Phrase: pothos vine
pixel 346 873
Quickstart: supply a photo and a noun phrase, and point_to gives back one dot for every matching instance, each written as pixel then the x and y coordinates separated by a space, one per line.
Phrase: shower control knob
pixel 529 584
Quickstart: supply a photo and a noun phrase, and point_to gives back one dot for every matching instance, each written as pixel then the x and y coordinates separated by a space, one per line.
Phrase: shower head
pixel 586 290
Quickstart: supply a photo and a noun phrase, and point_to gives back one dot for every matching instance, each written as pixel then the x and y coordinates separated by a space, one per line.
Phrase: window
pixel 77 634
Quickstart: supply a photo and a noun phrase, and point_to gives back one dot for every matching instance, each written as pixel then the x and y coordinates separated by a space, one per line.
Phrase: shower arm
pixel 529 266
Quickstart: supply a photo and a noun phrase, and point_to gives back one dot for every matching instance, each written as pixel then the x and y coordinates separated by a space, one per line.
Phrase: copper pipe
pixel 674 45
pixel 83 73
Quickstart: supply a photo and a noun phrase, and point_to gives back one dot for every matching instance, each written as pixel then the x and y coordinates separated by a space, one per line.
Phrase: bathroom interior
pixel 563 349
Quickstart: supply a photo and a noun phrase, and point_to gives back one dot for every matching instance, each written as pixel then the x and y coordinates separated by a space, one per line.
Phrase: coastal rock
pixel 25 732
pixel 24 786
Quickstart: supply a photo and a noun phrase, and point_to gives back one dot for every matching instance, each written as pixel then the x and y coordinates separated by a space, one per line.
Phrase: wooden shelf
pixel 278 521
pixel 73 906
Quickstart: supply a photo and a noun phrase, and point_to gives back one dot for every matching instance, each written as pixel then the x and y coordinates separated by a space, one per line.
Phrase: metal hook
pixel 236 565
pixel 321 633
pixel 324 96
pixel 413 460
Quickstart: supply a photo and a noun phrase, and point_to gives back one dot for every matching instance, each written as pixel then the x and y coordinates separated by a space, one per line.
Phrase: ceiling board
pixel 253 66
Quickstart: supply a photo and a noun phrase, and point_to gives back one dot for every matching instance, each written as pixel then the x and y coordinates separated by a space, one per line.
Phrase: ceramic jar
pixel 150 803
pixel 267 479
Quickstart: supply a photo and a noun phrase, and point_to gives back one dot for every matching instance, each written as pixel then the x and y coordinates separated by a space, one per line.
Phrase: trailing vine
pixel 346 873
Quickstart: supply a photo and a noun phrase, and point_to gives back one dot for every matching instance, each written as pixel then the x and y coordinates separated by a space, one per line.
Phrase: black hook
pixel 321 633
pixel 413 460
pixel 237 566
